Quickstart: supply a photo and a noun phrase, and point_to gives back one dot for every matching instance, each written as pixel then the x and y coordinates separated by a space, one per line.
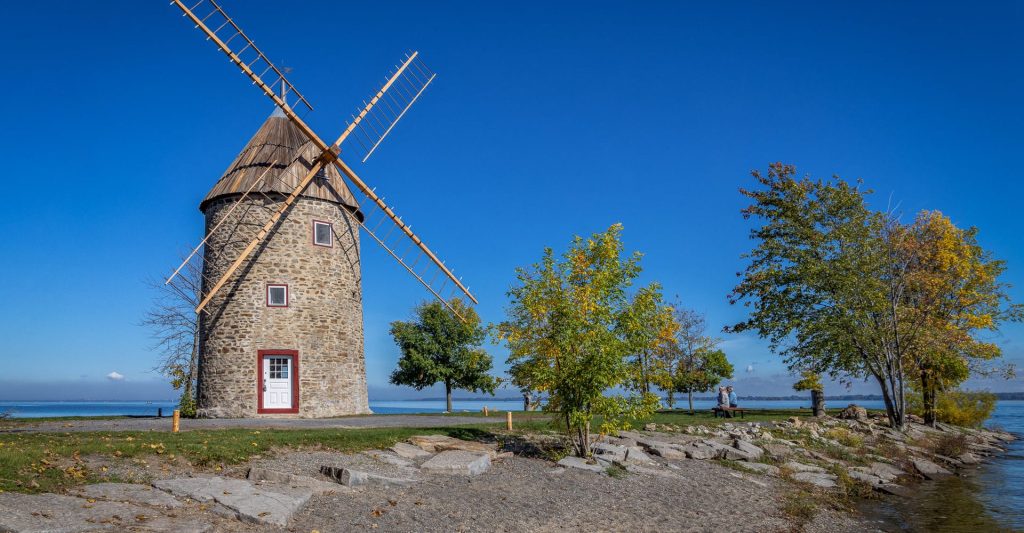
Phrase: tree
pixel 564 332
pixel 826 282
pixel 441 347
pixel 649 328
pixel 174 327
pixel 954 294
pixel 811 381
pixel 691 359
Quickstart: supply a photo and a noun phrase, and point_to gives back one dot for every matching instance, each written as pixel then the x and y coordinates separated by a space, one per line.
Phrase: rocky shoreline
pixel 742 476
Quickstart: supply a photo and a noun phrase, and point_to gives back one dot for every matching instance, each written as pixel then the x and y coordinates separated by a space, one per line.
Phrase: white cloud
pixel 750 369
pixel 114 376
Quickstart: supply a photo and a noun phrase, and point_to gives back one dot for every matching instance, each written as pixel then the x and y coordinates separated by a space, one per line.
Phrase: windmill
pixel 281 254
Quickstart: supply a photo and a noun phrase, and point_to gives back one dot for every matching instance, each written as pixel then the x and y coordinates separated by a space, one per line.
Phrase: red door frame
pixel 294 354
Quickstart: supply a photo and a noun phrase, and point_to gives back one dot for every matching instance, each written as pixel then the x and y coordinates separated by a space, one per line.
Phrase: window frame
pixel 278 286
pixel 331 233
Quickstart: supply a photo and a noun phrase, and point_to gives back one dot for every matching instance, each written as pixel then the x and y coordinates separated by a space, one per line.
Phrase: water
pixel 989 498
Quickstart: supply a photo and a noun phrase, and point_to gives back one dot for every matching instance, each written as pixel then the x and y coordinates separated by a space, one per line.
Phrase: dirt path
pixel 164 424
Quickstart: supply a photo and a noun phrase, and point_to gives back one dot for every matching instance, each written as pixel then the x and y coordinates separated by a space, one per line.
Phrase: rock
pixel 915 419
pixel 885 471
pixel 408 451
pixel 761 468
pixel 894 489
pixel 68 514
pixel 127 493
pixel 317 486
pixel 817 479
pixel 388 458
pixel 458 462
pixel 609 452
pixel 651 426
pixel 355 478
pixel 748 447
pixel 580 463
pixel 969 458
pixel 635 454
pixel 620 441
pixel 870 479
pixel 853 412
pixel 930 470
pixel 247 501
pixel 795 421
pixel 698 450
pixel 778 451
pixel 668 451
pixel 794 466
pixel 440 443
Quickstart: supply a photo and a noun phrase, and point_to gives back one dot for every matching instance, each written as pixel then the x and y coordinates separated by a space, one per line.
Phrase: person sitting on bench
pixel 732 397
pixel 723 402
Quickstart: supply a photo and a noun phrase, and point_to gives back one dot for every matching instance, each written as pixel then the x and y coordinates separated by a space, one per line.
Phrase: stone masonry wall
pixel 323 320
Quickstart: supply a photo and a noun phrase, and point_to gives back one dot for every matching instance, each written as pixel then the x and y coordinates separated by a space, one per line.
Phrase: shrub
pixel 964 408
pixel 187 406
pixel 845 437
pixel 950 444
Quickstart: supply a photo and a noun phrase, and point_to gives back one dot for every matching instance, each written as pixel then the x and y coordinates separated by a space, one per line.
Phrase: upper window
pixel 277 296
pixel 323 233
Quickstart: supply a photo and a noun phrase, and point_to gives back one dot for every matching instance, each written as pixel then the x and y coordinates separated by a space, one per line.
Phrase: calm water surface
pixel 989 498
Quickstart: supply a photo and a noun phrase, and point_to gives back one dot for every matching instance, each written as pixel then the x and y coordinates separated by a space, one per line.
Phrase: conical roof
pixel 280 142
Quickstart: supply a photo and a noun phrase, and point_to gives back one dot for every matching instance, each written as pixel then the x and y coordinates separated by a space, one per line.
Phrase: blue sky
pixel 546 120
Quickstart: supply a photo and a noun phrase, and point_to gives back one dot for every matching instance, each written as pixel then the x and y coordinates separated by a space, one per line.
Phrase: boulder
pixel 635 454
pixel 778 451
pixel 668 451
pixel 929 469
pixel 581 464
pixel 698 450
pixel 818 479
pixel 458 462
pixel 854 412
pixel 355 478
pixel 748 447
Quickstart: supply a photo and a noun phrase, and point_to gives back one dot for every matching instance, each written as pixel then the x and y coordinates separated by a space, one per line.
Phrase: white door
pixel 277 382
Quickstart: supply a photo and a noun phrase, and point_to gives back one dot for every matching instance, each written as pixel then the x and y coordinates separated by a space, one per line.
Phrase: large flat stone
pixel 55 513
pixel 610 452
pixel 261 504
pixel 260 474
pixel 769 470
pixel 748 447
pixel 860 475
pixel 409 451
pixel 458 462
pixel 801 467
pixel 389 458
pixel 127 493
pixel 581 464
pixel 355 478
pixel 885 471
pixel 929 469
pixel 440 443
pixel 818 479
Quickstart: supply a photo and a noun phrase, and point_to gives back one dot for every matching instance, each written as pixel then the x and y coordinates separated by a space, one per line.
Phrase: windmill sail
pixel 434 275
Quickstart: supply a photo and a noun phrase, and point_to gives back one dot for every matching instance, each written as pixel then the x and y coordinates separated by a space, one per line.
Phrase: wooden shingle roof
pixel 278 140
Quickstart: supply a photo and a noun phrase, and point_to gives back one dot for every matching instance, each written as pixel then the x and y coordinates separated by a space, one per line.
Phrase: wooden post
pixel 485 411
pixel 176 421
pixel 508 420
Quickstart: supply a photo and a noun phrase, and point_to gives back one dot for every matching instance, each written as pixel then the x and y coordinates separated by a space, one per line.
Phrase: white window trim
pixel 270 303
pixel 330 243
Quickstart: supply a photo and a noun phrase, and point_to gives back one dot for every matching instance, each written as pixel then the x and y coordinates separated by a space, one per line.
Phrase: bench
pixel 725 412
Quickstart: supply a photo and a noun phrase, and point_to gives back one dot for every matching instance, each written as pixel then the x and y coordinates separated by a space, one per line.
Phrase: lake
pixel 989 498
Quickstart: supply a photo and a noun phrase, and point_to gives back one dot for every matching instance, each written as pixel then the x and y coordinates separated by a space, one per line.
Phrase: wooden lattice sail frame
pixel 401 89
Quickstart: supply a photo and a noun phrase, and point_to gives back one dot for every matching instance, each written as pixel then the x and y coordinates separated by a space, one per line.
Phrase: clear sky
pixel 547 119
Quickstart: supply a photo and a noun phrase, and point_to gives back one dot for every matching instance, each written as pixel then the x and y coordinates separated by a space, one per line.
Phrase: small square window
pixel 323 233
pixel 277 296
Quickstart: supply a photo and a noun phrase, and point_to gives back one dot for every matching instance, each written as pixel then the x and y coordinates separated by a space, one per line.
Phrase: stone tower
pixel 284 337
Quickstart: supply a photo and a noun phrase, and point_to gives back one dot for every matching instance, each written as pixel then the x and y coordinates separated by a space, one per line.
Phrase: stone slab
pixel 459 462
pixel 127 493
pixel 259 474
pixel 355 478
pixel 929 469
pixel 440 443
pixel 581 464
pixel 389 458
pixel 748 447
pixel 249 502
pixel 802 467
pixel 55 513
pixel 818 479
pixel 885 471
pixel 409 451
pixel 761 468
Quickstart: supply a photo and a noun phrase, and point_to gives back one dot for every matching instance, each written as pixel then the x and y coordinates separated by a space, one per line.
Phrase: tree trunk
pixel 689 395
pixel 671 400
pixel 818 403
pixel 448 395
pixel 928 398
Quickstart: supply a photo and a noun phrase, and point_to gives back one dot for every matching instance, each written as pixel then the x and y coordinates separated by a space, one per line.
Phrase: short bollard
pixel 508 420
pixel 176 421
pixel 485 411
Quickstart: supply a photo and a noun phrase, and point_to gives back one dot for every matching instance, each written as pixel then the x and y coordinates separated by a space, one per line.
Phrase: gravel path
pixel 164 424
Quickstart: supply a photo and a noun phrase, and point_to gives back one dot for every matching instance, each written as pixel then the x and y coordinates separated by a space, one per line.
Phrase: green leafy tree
pixel 825 283
pixel 691 359
pixel 703 371
pixel 442 346
pixel 811 381
pixel 648 326
pixel 565 334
